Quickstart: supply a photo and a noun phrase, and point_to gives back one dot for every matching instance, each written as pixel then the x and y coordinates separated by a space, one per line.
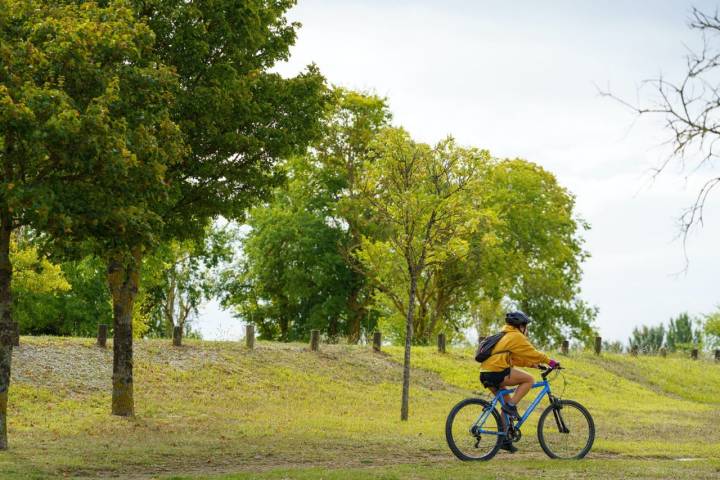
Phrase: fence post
pixel 102 335
pixel 177 336
pixel 377 341
pixel 441 343
pixel 565 347
pixel 717 355
pixel 16 334
pixel 663 352
pixel 314 340
pixel 694 354
pixel 598 345
pixel 250 336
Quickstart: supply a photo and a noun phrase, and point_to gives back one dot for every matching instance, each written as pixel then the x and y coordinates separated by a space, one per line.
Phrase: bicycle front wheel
pixel 473 430
pixel 566 430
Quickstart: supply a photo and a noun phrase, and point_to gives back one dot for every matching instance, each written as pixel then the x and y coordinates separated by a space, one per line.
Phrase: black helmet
pixel 517 318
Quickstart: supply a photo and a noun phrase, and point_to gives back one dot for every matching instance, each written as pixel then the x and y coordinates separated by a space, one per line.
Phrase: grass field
pixel 216 410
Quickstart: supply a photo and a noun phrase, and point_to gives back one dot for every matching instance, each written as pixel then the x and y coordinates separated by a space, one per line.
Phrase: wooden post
pixel 16 334
pixel 314 340
pixel 177 336
pixel 102 335
pixel 717 355
pixel 441 343
pixel 250 336
pixel 694 354
pixel 565 347
pixel 598 345
pixel 663 352
pixel 634 351
pixel 377 341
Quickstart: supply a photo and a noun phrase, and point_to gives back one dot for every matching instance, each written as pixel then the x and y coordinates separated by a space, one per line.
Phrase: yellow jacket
pixel 520 352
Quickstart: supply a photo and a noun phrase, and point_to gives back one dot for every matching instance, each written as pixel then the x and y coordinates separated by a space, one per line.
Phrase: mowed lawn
pixel 217 410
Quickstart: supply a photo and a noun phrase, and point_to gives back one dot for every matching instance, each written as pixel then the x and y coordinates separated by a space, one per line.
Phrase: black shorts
pixel 493 379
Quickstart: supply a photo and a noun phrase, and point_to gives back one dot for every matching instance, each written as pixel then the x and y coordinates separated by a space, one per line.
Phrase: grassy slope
pixel 212 408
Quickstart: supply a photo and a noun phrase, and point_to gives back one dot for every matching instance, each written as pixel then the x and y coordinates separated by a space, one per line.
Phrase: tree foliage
pixel 682 335
pixel 712 329
pixel 82 108
pixel 205 129
pixel 536 261
pixel 298 271
pixel 524 219
pixel 179 277
pixel 648 339
pixel 293 277
pixel 420 200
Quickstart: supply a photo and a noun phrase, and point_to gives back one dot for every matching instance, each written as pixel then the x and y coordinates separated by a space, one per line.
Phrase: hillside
pixel 280 411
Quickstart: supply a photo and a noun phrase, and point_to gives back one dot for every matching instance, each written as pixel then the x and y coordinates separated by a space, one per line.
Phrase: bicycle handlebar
pixel 548 370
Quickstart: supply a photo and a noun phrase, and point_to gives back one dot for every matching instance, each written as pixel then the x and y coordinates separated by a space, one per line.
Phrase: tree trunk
pixel 6 325
pixel 357 312
pixel 284 327
pixel 170 306
pixel 404 409
pixel 124 279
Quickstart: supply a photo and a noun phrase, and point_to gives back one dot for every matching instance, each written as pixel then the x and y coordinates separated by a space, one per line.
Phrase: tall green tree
pixel 292 277
pixel 299 270
pixel 354 120
pixel 537 261
pixel 420 199
pixel 65 137
pixel 236 120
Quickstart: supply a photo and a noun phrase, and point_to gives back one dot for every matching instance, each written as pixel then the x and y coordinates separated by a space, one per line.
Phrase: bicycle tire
pixel 449 433
pixel 566 404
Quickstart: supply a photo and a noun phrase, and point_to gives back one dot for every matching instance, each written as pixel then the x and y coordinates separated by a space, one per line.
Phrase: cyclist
pixel 512 350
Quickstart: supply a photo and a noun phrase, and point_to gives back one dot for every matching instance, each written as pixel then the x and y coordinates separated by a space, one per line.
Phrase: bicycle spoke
pixel 568 434
pixel 473 431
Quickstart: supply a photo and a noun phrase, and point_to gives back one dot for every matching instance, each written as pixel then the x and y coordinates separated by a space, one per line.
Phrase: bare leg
pixel 505 397
pixel 523 381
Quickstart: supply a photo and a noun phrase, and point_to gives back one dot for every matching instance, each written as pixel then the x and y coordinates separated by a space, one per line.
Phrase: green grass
pixel 216 410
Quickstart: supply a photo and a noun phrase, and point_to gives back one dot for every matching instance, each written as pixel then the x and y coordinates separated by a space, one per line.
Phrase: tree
pixel 235 120
pixel 63 135
pixel 299 271
pixel 536 262
pixel 648 339
pixel 292 277
pixel 712 329
pixel 353 122
pixel 418 197
pixel 690 107
pixel 680 333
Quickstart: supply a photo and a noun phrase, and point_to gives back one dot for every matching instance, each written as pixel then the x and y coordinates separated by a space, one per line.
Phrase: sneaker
pixel 507 445
pixel 511 410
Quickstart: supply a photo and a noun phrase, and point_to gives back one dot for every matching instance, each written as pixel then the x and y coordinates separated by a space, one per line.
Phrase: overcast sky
pixel 520 79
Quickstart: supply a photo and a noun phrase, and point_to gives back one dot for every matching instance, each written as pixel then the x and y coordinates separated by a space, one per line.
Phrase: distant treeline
pixel 683 333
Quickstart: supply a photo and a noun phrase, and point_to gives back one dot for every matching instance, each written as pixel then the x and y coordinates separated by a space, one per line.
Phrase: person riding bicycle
pixel 512 350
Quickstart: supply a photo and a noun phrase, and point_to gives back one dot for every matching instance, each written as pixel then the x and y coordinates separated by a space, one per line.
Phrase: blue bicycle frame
pixel 500 398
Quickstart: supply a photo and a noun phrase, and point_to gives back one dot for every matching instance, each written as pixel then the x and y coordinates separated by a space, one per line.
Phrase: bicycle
pixel 569 436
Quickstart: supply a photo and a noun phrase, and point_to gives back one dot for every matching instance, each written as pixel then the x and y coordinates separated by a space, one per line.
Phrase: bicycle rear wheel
pixel 566 430
pixel 469 439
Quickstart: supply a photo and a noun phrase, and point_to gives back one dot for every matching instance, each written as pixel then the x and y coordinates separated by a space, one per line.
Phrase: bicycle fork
pixel 556 407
